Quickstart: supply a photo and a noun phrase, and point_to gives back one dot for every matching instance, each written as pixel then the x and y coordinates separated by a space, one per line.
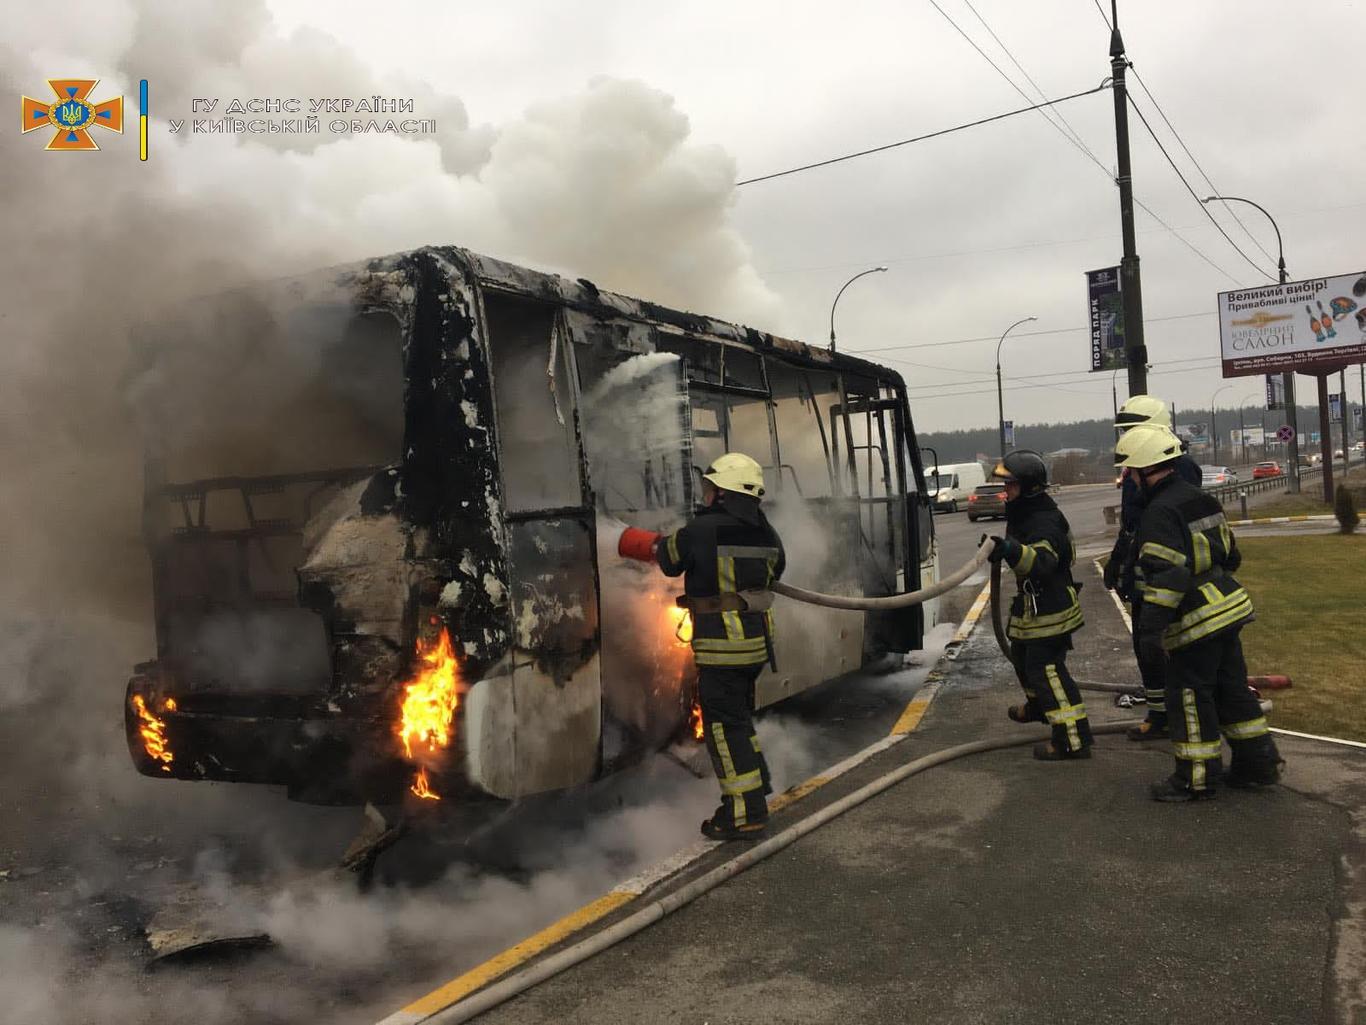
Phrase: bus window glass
pixel 538 453
pixel 801 405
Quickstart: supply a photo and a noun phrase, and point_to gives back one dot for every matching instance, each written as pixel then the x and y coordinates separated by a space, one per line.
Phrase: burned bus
pixel 371 504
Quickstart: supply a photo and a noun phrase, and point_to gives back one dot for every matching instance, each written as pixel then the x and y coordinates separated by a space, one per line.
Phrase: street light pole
pixel 1288 378
pixel 1242 426
pixel 870 270
pixel 1000 402
pixel 1213 423
pixel 1114 396
pixel 1130 289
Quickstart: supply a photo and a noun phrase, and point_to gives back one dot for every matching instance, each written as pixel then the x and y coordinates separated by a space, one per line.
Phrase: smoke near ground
pixel 604 184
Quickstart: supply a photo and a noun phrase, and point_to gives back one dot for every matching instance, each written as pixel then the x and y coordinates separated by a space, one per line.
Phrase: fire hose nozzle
pixel 1272 682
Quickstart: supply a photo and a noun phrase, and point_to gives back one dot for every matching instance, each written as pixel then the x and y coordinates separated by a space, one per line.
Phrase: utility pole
pixel 1131 292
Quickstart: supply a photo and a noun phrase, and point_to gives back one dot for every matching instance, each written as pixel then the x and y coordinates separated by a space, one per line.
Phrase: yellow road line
pixel 481 975
pixel 485 973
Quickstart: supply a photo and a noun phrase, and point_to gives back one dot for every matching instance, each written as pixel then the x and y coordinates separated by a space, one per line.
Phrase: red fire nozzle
pixel 1274 682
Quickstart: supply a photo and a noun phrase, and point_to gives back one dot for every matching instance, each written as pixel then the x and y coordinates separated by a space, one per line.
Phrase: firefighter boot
pixel 1028 712
pixel 719 827
pixel 1148 729
pixel 1048 753
pixel 1254 776
pixel 1173 790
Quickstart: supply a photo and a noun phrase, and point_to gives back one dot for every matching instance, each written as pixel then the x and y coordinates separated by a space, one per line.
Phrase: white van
pixel 948 486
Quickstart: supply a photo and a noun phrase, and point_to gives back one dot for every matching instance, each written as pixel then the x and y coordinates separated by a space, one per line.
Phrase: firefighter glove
pixel 638 544
pixel 1118 554
pixel 1007 549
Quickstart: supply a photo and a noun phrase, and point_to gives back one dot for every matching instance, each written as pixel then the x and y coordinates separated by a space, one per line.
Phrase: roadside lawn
pixel 1310 594
pixel 1308 503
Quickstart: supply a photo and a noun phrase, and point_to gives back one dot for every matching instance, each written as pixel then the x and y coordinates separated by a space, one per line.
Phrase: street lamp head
pixel 1209 199
pixel 879 268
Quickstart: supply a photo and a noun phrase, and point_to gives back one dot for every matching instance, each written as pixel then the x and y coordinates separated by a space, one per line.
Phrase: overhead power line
pixel 1177 135
pixel 921 138
pixel 1078 142
pixel 1194 196
pixel 1023 334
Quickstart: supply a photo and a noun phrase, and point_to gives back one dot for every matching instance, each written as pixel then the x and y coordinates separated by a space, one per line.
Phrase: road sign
pixel 1285 432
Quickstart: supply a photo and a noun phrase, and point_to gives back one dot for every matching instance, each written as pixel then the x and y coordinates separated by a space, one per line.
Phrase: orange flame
pixel 429 705
pixel 153 732
pixel 422 788
pixel 682 625
pixel 695 720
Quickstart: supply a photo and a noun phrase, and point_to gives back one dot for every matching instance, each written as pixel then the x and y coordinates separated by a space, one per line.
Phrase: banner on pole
pixel 1010 432
pixel 1105 308
pixel 1275 391
pixel 1335 407
pixel 1298 324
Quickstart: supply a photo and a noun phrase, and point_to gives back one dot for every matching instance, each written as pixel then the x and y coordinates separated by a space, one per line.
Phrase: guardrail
pixel 1228 492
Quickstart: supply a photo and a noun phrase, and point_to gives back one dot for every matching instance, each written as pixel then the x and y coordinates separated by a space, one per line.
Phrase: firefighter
pixel 1193 612
pixel 728 556
pixel 1045 612
pixel 1119 570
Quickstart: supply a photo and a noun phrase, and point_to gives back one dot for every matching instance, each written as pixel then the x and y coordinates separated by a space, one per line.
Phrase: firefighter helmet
pixel 1146 445
pixel 1025 466
pixel 1142 409
pixel 737 472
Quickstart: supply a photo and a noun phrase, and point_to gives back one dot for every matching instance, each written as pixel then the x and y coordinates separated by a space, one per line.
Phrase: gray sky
pixel 978 229
pixel 600 138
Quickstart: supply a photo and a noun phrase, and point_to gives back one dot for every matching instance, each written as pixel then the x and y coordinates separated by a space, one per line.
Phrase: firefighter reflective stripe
pixel 1207 522
pixel 721 651
pixel 673 547
pixel 1193 749
pixel 724 644
pixel 737 809
pixel 742 784
pixel 1163 596
pixel 746 552
pixel 1025 628
pixel 725 578
pixel 1203 559
pixel 1157 700
pixel 1066 712
pixel 1157 551
pixel 1251 729
pixel 1026 561
pixel 1219 614
pixel 1197 750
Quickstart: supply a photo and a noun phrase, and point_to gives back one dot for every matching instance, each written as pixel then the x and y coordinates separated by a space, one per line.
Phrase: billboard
pixel 1301 324
pixel 1105 310
pixel 1193 434
pixel 1247 436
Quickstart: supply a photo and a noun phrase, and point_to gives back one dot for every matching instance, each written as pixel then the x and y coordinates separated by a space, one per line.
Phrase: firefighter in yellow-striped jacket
pixel 1193 611
pixel 728 556
pixel 1045 612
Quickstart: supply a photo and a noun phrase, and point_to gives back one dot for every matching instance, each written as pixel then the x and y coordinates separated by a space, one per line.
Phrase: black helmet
pixel 1026 466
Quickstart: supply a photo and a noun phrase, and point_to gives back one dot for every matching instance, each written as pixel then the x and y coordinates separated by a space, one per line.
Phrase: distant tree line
pixel 1097 436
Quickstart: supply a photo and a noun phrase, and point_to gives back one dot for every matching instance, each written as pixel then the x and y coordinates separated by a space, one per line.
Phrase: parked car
pixel 1216 476
pixel 949 486
pixel 987 502
pixel 1270 468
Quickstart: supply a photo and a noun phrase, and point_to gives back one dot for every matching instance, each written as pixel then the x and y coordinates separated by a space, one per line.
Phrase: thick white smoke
pixel 604 184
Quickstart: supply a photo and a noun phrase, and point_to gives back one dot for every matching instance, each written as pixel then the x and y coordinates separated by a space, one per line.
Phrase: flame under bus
pixel 370 507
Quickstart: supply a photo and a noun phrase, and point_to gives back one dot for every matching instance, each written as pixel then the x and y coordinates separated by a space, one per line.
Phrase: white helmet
pixel 1145 445
pixel 737 472
pixel 1142 409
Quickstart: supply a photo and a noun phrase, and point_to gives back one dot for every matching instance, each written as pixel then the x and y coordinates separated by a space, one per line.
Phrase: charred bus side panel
pixel 347 472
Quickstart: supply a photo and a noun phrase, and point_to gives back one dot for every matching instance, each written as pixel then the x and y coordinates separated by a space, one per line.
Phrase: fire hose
pixel 890 601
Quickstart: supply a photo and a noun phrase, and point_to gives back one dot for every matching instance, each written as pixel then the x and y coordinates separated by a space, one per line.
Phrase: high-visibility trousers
pixel 726 694
pixel 1153 673
pixel 1208 696
pixel 1050 690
